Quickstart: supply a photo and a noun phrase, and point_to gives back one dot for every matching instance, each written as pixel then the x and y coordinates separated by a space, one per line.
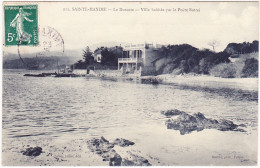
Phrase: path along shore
pixel 248 84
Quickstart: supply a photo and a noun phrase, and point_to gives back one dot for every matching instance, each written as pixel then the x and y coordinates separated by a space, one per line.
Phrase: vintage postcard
pixel 130 83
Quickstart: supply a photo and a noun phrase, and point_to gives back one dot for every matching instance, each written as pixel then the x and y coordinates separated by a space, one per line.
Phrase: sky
pixel 223 22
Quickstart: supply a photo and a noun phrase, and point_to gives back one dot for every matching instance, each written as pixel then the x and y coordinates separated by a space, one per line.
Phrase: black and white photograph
pixel 130 83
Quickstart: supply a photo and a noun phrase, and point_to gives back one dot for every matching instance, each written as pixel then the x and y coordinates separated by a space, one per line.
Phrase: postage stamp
pixel 21 25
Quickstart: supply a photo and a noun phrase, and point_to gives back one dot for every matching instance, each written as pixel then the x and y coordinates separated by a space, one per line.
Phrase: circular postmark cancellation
pixel 51 42
pixel 46 53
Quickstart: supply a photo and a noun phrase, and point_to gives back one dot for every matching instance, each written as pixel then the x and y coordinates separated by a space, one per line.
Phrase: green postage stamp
pixel 21 25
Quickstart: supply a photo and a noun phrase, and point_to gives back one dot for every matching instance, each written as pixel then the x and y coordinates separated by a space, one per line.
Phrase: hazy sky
pixel 222 21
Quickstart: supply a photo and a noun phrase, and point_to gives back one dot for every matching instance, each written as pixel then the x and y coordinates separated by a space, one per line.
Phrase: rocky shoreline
pixel 109 153
pixel 104 148
pixel 118 152
pixel 247 84
pixel 187 123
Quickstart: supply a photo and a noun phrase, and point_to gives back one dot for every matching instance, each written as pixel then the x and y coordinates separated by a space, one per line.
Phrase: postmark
pixel 51 46
pixel 51 42
pixel 21 25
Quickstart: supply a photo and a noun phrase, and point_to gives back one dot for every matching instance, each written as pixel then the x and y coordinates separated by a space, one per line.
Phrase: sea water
pixel 62 114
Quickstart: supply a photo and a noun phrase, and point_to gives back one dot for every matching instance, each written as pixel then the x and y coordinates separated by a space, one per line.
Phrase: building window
pixel 99 58
pixel 139 53
pixel 130 53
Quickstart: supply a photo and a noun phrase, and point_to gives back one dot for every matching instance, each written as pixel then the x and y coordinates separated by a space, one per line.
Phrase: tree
pixel 80 65
pixel 213 44
pixel 110 55
pixel 88 56
pixel 203 66
pixel 255 45
pixel 251 68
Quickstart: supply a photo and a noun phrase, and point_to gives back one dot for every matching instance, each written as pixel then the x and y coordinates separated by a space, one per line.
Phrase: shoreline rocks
pixel 36 151
pixel 170 113
pixel 123 142
pixel 151 80
pixel 104 148
pixel 134 159
pixel 187 123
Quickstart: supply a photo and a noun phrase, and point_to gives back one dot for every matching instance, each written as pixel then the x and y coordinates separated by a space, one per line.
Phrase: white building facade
pixel 138 58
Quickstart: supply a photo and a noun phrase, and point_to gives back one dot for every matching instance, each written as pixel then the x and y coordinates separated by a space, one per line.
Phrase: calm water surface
pixel 62 113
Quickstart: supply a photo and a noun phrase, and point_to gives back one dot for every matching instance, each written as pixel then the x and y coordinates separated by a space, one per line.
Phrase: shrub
pixel 251 68
pixel 224 70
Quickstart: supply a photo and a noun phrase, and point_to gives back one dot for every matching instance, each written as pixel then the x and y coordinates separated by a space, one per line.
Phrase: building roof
pixel 98 52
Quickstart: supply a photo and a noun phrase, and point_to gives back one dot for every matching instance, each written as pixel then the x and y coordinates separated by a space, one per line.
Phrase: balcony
pixel 129 60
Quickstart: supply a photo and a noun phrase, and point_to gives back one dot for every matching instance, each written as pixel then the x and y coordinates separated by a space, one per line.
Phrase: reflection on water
pixel 74 108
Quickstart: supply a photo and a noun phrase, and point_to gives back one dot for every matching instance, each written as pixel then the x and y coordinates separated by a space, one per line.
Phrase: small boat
pixel 66 75
pixel 35 75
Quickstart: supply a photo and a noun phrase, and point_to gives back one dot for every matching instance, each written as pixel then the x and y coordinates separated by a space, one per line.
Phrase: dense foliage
pixel 87 59
pixel 109 58
pixel 225 70
pixel 110 55
pixel 80 65
pixel 180 59
pixel 251 68
pixel 186 59
pixel 88 56
pixel 36 63
pixel 242 48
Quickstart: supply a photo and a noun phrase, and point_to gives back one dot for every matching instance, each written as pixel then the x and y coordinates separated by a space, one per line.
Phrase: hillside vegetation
pixel 246 65
pixel 184 58
pixel 235 61
pixel 47 63
pixel 109 58
pixel 181 59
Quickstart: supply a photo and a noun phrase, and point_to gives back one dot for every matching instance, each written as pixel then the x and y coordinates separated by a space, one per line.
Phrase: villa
pixel 138 58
